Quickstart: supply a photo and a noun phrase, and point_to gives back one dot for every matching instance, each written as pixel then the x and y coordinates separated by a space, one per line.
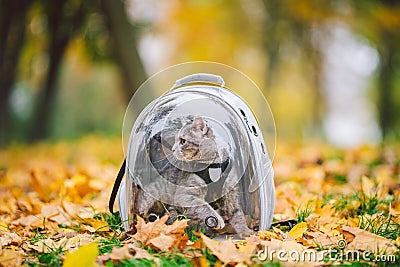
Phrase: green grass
pixel 114 221
pixel 358 203
pixel 190 232
pixel 381 225
pixel 326 199
pixel 302 214
pixel 53 258
pixel 164 261
pixel 37 236
pixel 106 245
pixel 340 178
pixel 133 262
pixel 211 258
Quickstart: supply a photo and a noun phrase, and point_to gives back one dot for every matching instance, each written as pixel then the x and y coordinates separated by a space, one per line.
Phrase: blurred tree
pixel 379 21
pixel 66 19
pixel 208 30
pixel 13 17
pixel 296 23
pixel 124 45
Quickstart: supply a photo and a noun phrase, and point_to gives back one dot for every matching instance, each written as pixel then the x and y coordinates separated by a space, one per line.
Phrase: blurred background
pixel 329 69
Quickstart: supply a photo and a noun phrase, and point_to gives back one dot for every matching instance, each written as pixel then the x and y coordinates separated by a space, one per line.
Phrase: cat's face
pixel 195 142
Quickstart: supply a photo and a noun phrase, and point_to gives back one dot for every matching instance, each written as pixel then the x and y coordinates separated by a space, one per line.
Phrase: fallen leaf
pixel 30 220
pixel 88 228
pixel 81 184
pixel 10 258
pixel 162 242
pixel 368 187
pixel 288 250
pixel 306 242
pixel 282 235
pixel 327 228
pixel 267 235
pixel 334 232
pixel 3 226
pixel 7 238
pixel 322 239
pixel 78 240
pixel 75 210
pixel 117 254
pixel 141 253
pixel 201 261
pixel 38 184
pixel 226 251
pixel 147 231
pixel 298 230
pixel 98 225
pixel 178 227
pixel 312 220
pixel 56 214
pixel 158 233
pixel 364 240
pixel 84 256
pixel 47 245
pixel 250 244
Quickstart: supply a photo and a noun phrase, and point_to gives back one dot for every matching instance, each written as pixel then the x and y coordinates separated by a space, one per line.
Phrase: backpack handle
pixel 199 78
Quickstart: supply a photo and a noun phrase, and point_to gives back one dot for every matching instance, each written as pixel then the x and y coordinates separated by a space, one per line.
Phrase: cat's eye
pixel 182 141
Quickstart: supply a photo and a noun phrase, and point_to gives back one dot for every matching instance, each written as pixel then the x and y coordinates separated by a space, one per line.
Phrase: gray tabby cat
pixel 195 143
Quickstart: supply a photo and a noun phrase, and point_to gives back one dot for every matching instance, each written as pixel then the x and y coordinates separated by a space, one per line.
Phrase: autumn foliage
pixel 53 209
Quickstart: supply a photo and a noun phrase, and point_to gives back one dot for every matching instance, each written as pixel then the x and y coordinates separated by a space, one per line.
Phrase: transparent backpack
pixel 232 179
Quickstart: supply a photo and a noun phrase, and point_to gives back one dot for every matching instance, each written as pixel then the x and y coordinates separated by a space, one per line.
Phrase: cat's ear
pixel 200 124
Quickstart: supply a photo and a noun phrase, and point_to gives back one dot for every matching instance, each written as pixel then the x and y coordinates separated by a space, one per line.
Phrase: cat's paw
pixel 215 221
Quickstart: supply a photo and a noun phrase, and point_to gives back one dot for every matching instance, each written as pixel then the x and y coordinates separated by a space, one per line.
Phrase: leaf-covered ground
pixel 332 205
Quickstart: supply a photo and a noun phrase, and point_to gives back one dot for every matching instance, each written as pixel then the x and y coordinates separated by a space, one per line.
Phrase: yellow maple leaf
pixel 81 184
pixel 99 225
pixel 298 230
pixel 85 256
pixel 147 231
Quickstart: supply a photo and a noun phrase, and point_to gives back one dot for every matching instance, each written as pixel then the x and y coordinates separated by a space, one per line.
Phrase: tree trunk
pixel 12 35
pixel 62 25
pixel 312 52
pixel 271 40
pixel 385 84
pixel 125 46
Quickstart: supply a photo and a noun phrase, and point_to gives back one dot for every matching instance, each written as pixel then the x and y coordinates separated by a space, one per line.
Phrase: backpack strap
pixel 115 189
